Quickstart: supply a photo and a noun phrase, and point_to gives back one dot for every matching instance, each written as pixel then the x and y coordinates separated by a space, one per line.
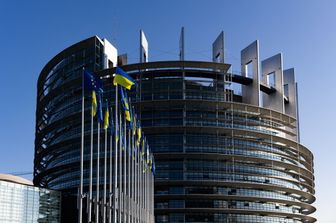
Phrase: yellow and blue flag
pixel 94 104
pixel 143 146
pixel 123 144
pixel 147 155
pixel 117 134
pixel 125 104
pixel 139 133
pixel 123 79
pixel 100 108
pixel 106 117
pixel 134 125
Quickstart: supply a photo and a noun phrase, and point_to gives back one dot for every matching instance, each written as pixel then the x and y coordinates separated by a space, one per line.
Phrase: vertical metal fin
pixel 181 44
pixel 273 65
pixel 218 49
pixel 143 48
pixel 250 55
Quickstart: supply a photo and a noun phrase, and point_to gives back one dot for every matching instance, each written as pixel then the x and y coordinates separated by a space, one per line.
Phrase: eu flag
pixel 94 84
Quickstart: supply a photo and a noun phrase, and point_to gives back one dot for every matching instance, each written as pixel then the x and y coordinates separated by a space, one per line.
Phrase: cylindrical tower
pixel 58 115
pixel 218 157
pixel 58 121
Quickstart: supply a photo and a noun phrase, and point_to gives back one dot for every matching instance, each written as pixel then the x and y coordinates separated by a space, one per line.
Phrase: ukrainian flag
pixel 139 131
pixel 134 128
pixel 147 156
pixel 143 147
pixel 123 79
pixel 125 104
pixel 94 103
pixel 117 133
pixel 100 107
pixel 106 117
pixel 123 144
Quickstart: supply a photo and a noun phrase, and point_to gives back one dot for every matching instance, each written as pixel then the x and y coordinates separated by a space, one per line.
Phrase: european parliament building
pixel 227 145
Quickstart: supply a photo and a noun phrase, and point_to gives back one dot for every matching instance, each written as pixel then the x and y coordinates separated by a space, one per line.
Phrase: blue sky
pixel 32 32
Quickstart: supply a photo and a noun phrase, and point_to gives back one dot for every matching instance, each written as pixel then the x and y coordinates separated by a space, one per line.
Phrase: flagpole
pixel 152 191
pixel 125 172
pixel 80 212
pixel 120 173
pixel 97 174
pixel 138 184
pixel 142 188
pixel 134 179
pixel 146 190
pixel 115 193
pixel 129 175
pixel 153 181
pixel 111 178
pixel 91 167
pixel 105 173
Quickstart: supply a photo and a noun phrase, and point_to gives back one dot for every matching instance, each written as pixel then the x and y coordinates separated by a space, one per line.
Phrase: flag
pixel 139 133
pixel 117 137
pixel 122 138
pixel 89 81
pixel 125 104
pixel 100 108
pixel 106 117
pixel 147 156
pixel 117 134
pixel 131 115
pixel 123 79
pixel 143 146
pixel 153 167
pixel 94 84
pixel 111 123
pixel 151 161
pixel 134 126
pixel 135 152
pixel 94 104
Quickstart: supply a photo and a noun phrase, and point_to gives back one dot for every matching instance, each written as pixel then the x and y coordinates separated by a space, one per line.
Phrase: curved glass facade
pixel 218 159
pixel 58 116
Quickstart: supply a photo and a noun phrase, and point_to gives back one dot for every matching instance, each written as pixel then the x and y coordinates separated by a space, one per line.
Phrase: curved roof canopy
pixel 15 179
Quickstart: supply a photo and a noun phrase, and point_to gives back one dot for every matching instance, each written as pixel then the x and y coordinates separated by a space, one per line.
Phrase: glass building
pixel 226 145
pixel 58 120
pixel 21 202
pixel 220 156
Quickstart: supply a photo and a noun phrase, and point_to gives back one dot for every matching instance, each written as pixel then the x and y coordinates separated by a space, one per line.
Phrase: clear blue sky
pixel 32 32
